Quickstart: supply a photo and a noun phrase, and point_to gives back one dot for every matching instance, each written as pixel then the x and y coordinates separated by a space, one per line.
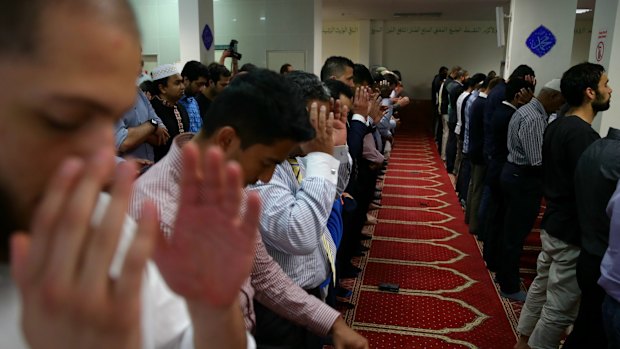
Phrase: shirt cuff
pixel 322 165
pixel 341 152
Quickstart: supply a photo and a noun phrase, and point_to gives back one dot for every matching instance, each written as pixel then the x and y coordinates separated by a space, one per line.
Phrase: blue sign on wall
pixel 541 41
pixel 207 37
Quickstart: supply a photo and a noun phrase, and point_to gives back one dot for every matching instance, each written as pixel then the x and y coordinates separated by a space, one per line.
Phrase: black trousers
pixel 276 332
pixel 588 331
pixel 451 148
pixel 494 219
pixel 523 190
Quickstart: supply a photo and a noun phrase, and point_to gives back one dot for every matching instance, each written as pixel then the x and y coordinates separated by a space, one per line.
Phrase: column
pixel 193 16
pixel 604 49
pixel 548 51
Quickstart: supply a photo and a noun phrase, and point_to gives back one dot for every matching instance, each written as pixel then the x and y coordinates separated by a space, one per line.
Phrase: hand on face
pixel 211 251
pixel 340 112
pixel 324 126
pixel 524 96
pixel 62 265
pixel 361 101
pixel 376 112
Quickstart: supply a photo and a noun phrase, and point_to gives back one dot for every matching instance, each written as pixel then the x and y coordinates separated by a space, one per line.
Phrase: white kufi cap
pixel 164 71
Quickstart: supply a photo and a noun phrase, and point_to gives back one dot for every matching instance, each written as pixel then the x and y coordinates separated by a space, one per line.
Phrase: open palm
pixel 211 250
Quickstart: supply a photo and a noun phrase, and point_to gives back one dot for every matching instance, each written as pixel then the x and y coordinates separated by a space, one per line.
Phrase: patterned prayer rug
pixel 447 298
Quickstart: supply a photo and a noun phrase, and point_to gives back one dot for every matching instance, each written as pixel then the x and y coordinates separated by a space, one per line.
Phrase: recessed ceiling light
pixel 263 18
pixel 581 11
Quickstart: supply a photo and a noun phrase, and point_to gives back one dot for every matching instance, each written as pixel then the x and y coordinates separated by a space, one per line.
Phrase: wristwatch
pixel 155 124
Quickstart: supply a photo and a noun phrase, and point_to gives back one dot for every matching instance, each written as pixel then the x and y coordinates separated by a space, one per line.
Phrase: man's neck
pixel 168 100
pixel 210 94
pixel 584 112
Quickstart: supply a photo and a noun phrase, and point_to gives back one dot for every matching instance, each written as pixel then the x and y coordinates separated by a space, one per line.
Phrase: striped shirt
pixel 294 217
pixel 267 283
pixel 525 134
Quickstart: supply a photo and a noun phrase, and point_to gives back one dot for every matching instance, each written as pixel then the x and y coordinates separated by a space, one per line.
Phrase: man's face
pixel 347 76
pixel 69 112
pixel 603 95
pixel 175 88
pixel 259 161
pixel 344 100
pixel 221 84
pixel 193 88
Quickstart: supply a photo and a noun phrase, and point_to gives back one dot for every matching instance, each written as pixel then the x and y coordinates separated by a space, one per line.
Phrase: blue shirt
pixel 193 111
pixel 141 112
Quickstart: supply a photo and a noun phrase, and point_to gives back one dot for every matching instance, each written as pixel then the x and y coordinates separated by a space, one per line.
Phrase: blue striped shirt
pixel 294 217
pixel 525 134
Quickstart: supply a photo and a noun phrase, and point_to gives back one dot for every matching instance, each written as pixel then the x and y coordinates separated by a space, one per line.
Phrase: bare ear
pixel 590 93
pixel 225 137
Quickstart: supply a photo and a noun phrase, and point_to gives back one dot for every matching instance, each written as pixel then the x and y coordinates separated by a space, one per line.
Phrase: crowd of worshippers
pixel 510 150
pixel 314 204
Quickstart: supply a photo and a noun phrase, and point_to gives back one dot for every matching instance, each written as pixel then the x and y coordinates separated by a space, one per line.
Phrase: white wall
pixel 526 16
pixel 288 25
pixel 418 48
pixel 159 25
pixel 607 19
pixel 581 42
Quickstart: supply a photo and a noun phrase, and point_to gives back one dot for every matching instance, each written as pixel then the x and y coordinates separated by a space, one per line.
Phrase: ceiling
pixel 449 9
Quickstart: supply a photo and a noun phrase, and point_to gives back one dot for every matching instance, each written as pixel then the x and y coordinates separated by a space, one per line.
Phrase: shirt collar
pixel 536 103
pixel 360 118
pixel 165 102
pixel 483 95
pixel 508 104
pixel 613 133
pixel 175 155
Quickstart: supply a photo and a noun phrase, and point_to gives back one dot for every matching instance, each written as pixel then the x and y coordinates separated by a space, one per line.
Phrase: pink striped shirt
pixel 267 282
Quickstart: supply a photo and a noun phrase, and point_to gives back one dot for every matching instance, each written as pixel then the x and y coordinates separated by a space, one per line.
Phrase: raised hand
pixel 211 250
pixel 361 101
pixel 524 96
pixel 376 113
pixel 341 112
pixel 324 127
pixel 62 266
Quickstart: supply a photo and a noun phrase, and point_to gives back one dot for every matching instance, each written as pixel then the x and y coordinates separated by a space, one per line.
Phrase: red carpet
pixel 447 298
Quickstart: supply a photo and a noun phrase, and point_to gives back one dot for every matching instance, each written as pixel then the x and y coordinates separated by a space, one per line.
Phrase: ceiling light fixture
pixel 417 14
pixel 581 11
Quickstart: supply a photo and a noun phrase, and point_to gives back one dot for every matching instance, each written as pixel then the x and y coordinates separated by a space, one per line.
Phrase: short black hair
pixel 476 79
pixel 216 71
pixel 247 67
pixel 21 21
pixel 193 70
pixel 577 79
pixel 163 82
pixel 398 74
pixel 310 86
pixel 272 109
pixel 147 86
pixel 361 75
pixel 335 65
pixel 443 69
pixel 284 68
pixel 337 88
pixel 513 86
pixel 521 71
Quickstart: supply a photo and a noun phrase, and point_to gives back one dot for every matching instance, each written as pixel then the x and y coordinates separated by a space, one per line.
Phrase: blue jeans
pixel 611 321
